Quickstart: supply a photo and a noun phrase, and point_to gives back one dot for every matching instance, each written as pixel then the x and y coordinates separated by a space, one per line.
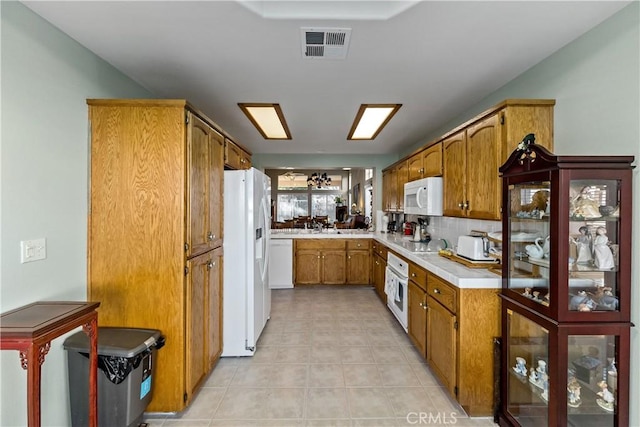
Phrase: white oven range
pixel 396 283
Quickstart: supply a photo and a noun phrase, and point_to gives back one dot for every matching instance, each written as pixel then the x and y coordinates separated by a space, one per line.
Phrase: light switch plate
pixel 33 250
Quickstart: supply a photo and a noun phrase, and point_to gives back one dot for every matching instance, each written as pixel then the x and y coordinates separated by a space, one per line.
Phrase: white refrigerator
pixel 247 228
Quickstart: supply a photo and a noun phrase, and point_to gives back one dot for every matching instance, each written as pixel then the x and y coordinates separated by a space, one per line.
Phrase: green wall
pixel 46 78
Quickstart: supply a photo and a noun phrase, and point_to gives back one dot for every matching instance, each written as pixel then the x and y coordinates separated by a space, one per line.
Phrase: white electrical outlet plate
pixel 33 250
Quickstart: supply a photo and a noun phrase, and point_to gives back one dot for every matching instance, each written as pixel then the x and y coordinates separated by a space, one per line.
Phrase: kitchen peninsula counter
pixel 451 271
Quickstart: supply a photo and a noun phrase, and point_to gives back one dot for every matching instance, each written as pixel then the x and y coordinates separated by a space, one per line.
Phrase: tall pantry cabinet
pixel 155 234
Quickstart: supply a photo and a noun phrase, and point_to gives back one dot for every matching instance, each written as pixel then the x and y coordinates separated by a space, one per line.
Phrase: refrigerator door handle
pixel 265 237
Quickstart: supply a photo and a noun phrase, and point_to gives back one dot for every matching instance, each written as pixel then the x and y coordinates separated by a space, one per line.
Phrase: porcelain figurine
pixel 573 393
pixel 583 206
pixel 606 397
pixel 583 246
pixel 521 366
pixel 535 250
pixel 527 293
pixel 533 376
pixel 546 248
pixel 601 250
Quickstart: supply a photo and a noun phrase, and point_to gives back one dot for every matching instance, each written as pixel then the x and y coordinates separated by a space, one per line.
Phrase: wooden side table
pixel 30 329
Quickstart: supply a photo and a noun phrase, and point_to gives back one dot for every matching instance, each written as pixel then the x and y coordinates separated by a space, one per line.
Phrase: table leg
pixel 34 358
pixel 91 329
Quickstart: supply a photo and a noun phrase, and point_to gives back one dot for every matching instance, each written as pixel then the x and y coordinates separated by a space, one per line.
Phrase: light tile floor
pixel 329 356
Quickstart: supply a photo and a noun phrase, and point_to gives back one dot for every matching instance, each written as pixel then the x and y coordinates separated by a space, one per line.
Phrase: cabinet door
pixel 403 177
pixel 307 267
pixel 232 155
pixel 199 233
pixel 415 167
pixel 358 267
pixel 217 188
pixel 334 267
pixel 393 189
pixel 432 161
pixel 454 163
pixel 418 317
pixel 196 309
pixel 386 190
pixel 379 268
pixel 441 344
pixel 214 310
pixel 483 160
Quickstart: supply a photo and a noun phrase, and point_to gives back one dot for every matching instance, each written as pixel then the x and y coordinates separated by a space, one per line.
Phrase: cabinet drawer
pixel 358 244
pixel 320 244
pixel 380 250
pixel 418 276
pixel 442 292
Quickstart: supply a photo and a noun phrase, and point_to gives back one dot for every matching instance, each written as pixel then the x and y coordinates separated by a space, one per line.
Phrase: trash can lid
pixel 115 341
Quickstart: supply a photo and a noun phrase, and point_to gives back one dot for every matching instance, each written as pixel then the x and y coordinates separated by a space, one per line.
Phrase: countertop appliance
pixel 247 296
pixel 396 287
pixel 281 264
pixel 475 248
pixel 424 196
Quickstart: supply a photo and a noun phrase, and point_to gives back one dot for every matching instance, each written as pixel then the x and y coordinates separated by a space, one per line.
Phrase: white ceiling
pixel 437 58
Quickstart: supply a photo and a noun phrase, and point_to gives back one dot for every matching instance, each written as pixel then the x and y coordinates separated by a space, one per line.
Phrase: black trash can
pixel 125 375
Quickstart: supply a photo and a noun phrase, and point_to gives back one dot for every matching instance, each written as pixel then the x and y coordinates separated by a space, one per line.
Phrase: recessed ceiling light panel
pixel 268 119
pixel 371 119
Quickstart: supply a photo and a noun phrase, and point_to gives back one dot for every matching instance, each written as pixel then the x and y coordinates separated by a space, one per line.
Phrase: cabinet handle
pixel 436 291
pixel 209 265
pixel 377 263
pixel 210 236
pixel 349 257
pixel 318 256
pixel 413 274
pixel 466 205
pixel 460 205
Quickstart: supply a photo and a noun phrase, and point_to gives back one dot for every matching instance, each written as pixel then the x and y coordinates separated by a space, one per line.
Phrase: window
pixel 292 206
pixel 295 198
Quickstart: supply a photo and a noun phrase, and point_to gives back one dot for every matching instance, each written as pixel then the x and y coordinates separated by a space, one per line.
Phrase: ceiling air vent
pixel 329 43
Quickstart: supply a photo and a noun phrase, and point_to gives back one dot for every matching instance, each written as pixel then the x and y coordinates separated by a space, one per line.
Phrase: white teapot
pixel 535 250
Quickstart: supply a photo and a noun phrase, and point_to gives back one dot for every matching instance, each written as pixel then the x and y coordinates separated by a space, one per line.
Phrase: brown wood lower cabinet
pixel 320 261
pixel 455 334
pixel 378 268
pixel 358 262
pixel 417 318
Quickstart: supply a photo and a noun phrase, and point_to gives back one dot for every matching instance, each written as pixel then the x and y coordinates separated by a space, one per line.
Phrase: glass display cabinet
pixel 566 268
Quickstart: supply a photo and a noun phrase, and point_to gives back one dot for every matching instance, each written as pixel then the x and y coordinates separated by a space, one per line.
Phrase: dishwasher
pixel 281 264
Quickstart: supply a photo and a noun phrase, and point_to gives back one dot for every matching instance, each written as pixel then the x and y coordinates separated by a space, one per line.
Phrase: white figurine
pixel 607 400
pixel 583 245
pixel 584 206
pixel 601 251
pixel 521 366
pixel 573 393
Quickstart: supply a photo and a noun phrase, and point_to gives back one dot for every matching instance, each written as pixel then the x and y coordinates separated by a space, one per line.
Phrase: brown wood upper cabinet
pixel 205 190
pixel 426 163
pixel 235 157
pixel 473 153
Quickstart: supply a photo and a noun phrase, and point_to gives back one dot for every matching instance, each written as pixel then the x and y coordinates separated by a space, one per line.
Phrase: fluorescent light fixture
pixel 370 120
pixel 268 119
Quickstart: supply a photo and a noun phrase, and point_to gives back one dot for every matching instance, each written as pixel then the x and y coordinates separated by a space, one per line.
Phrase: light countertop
pixel 451 271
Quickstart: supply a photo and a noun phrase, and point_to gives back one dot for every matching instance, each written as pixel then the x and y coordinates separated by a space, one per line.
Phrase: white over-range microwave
pixel 423 197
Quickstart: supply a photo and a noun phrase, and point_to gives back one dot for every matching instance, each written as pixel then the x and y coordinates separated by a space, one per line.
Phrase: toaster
pixel 474 248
